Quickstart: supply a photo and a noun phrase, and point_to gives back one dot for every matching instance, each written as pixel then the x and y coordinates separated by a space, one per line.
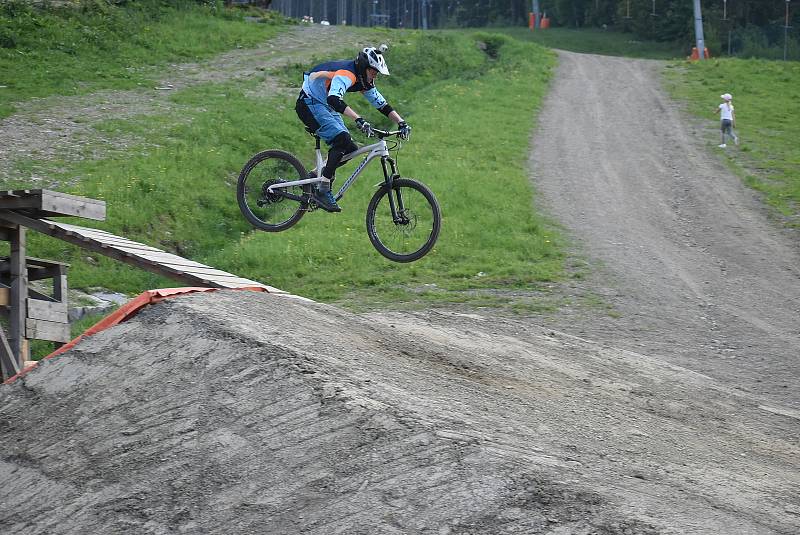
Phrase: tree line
pixel 738 26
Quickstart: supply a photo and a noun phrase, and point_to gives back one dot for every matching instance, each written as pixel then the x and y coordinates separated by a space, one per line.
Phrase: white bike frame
pixel 375 150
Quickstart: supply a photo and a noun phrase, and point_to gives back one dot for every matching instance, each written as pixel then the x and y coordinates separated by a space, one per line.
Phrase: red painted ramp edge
pixel 125 312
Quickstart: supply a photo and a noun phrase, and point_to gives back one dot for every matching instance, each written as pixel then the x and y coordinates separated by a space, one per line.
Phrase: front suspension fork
pixel 395 205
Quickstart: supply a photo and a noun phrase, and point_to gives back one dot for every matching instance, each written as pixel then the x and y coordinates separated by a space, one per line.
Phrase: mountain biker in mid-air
pixel 321 102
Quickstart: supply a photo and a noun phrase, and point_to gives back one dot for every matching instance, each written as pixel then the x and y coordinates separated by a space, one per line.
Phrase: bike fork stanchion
pixel 390 185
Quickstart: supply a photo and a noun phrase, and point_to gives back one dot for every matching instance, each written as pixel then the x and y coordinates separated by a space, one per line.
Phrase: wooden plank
pixel 53 203
pixel 72 205
pixel 47 310
pixel 39 273
pixel 97 235
pixel 163 257
pixel 78 228
pixel 118 244
pixel 35 273
pixel 198 270
pixel 5 296
pixel 21 192
pixel 105 244
pixel 248 284
pixel 38 269
pixel 41 262
pixel 230 280
pixel 154 261
pixel 128 244
pixel 20 199
pixel 47 330
pixel 19 293
pixel 103 236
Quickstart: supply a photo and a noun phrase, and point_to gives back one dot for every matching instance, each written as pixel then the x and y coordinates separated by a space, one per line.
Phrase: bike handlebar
pixel 380 134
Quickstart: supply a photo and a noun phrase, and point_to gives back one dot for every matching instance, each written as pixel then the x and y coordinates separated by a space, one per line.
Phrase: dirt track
pixel 195 418
pixel 685 253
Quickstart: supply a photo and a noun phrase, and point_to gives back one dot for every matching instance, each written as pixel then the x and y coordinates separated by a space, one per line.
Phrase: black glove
pixel 405 130
pixel 364 126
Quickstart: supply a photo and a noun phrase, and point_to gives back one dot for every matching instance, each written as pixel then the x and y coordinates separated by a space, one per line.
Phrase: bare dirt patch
pixel 239 412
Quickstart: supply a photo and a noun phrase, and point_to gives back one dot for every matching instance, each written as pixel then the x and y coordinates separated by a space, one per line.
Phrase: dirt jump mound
pixel 244 412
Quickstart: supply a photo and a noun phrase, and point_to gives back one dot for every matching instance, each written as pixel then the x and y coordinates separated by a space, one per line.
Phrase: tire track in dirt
pixel 244 412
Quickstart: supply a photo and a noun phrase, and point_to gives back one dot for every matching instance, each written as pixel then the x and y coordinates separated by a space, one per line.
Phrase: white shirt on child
pixel 726 111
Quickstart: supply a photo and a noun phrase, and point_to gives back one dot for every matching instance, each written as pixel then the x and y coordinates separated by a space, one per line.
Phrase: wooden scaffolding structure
pixel 35 315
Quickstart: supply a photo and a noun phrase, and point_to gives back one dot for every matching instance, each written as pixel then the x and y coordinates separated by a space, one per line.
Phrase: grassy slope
pixel 176 190
pixel 100 46
pixel 476 164
pixel 765 94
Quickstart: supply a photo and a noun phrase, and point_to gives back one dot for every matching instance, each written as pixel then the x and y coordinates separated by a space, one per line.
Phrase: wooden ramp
pixel 143 256
pixel 33 315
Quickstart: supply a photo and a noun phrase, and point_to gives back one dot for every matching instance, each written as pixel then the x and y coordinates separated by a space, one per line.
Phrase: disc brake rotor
pixel 270 197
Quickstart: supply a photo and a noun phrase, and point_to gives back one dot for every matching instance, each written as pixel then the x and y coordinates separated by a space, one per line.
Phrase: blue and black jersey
pixel 328 82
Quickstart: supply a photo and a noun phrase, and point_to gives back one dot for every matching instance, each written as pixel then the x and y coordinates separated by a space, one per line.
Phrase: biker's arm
pixel 394 116
pixel 340 83
pixel 339 106
pixel 376 99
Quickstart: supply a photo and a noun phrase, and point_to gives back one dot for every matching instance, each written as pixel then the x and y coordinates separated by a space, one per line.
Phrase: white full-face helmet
pixel 373 57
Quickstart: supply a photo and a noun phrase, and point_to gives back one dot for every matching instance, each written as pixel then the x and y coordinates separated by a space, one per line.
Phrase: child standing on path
pixel 728 119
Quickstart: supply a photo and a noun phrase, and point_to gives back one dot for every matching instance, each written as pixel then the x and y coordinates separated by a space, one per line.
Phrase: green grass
pixel 475 163
pixel 765 95
pixel 177 189
pixel 596 41
pixel 75 50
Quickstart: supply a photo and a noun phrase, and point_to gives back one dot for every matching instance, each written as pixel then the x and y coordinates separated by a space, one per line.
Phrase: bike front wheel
pixel 281 208
pixel 403 222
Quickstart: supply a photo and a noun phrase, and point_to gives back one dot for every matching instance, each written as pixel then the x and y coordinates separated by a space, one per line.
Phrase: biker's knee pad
pixel 343 143
pixel 340 145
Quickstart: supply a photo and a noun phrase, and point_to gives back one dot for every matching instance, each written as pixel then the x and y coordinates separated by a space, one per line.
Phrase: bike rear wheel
pixel 272 211
pixel 410 235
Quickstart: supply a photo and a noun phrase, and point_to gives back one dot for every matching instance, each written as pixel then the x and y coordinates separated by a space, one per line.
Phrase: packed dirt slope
pixel 242 412
pixel 695 268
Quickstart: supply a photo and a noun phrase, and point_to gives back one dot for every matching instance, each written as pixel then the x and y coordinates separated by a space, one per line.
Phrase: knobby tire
pixel 416 235
pixel 277 213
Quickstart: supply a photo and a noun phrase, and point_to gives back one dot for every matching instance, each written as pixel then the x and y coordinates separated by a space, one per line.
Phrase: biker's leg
pixel 342 144
pixel 305 114
pixel 333 131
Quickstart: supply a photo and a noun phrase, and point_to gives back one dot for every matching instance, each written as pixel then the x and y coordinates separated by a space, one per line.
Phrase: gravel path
pixel 689 257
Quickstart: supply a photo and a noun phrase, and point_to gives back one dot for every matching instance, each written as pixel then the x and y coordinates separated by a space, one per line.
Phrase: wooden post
pixel 60 293
pixel 19 296
pixel 60 285
pixel 8 362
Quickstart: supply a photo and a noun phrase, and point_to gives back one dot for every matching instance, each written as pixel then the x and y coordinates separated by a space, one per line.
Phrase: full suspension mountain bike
pixel 274 192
